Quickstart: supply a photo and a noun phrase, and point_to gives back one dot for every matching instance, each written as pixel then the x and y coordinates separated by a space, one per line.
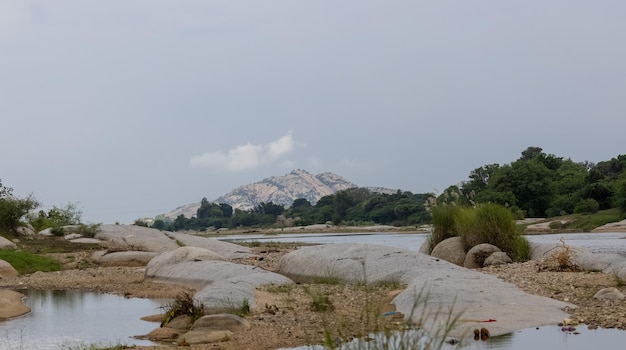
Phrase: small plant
pixel 560 259
pixel 183 304
pixel 88 230
pixel 239 309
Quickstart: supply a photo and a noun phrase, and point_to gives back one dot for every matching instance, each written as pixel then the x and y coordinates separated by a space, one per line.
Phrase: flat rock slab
pixel 434 287
pixel 136 238
pixel 127 258
pixel 225 249
pixel 220 284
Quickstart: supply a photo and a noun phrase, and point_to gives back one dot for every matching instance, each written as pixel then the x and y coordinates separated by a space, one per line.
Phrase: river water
pixel 63 319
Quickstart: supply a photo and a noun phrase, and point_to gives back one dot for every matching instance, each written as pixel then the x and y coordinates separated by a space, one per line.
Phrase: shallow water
pixel 532 338
pixel 612 242
pixel 63 319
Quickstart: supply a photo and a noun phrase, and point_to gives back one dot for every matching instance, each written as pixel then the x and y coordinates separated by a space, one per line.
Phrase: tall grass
pixel 443 224
pixel 487 223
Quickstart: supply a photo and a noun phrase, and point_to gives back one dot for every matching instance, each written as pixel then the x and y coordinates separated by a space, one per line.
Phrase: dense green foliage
pixel 486 223
pixel 55 218
pixel 352 206
pixel 540 185
pixel 13 209
pixel 25 262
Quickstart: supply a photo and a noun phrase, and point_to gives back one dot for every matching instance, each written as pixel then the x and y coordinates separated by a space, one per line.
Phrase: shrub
pixel 443 224
pixel 493 224
pixel 587 206
pixel 183 304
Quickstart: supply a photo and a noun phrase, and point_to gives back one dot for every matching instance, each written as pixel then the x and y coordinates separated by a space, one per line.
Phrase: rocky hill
pixel 281 190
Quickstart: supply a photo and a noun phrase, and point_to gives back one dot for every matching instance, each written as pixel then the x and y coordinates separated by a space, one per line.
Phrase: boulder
pixel 138 238
pixel 476 256
pixel 72 236
pixel 610 293
pixel 450 249
pixel 26 231
pixel 231 322
pixel 424 248
pixel 221 284
pixel 224 249
pixel 11 304
pixel 72 229
pixel 126 258
pixel 7 270
pixel 183 254
pixel 497 258
pixel 180 322
pixel 6 244
pixel 204 336
pixel 46 232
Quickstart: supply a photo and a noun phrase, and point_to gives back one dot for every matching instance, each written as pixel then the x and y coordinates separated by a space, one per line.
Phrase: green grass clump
pixel 25 262
pixel 487 223
pixel 183 304
pixel 444 225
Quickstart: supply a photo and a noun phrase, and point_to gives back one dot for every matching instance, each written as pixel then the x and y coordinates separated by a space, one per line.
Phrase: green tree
pixel 13 209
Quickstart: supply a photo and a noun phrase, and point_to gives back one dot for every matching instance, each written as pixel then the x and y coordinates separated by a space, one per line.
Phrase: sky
pixel 131 108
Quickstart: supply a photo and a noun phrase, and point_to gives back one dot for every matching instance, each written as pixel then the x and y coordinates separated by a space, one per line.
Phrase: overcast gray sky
pixel 132 108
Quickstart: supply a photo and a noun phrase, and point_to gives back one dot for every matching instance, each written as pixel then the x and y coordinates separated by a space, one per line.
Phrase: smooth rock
pixel 497 258
pixel 7 270
pixel 225 249
pixel 137 238
pixel 126 258
pixel 46 232
pixel 477 255
pixel 11 304
pixel 26 231
pixel 204 336
pixel 180 322
pixel 610 293
pixel 6 244
pixel 450 249
pixel 72 236
pixel 231 322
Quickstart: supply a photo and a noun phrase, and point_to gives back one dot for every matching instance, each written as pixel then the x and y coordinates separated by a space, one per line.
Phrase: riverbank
pixel 288 317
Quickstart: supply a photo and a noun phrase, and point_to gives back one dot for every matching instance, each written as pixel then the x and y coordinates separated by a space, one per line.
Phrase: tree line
pixel 544 185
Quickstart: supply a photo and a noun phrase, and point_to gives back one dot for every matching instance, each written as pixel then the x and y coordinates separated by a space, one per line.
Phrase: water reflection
pixel 60 319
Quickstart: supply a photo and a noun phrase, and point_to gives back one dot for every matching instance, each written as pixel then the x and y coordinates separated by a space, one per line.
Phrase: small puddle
pixel 62 319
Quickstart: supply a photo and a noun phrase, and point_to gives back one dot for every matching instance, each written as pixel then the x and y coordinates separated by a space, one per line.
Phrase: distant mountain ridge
pixel 281 190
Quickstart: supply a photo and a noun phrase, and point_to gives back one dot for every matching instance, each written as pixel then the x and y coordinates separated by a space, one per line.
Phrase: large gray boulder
pixel 6 244
pixel 477 255
pixel 450 249
pixel 225 249
pixel 614 264
pixel 221 284
pixel 180 255
pixel 139 238
pixel 434 287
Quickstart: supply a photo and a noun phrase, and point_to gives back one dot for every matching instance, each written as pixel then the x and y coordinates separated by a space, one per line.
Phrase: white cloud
pixel 245 156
